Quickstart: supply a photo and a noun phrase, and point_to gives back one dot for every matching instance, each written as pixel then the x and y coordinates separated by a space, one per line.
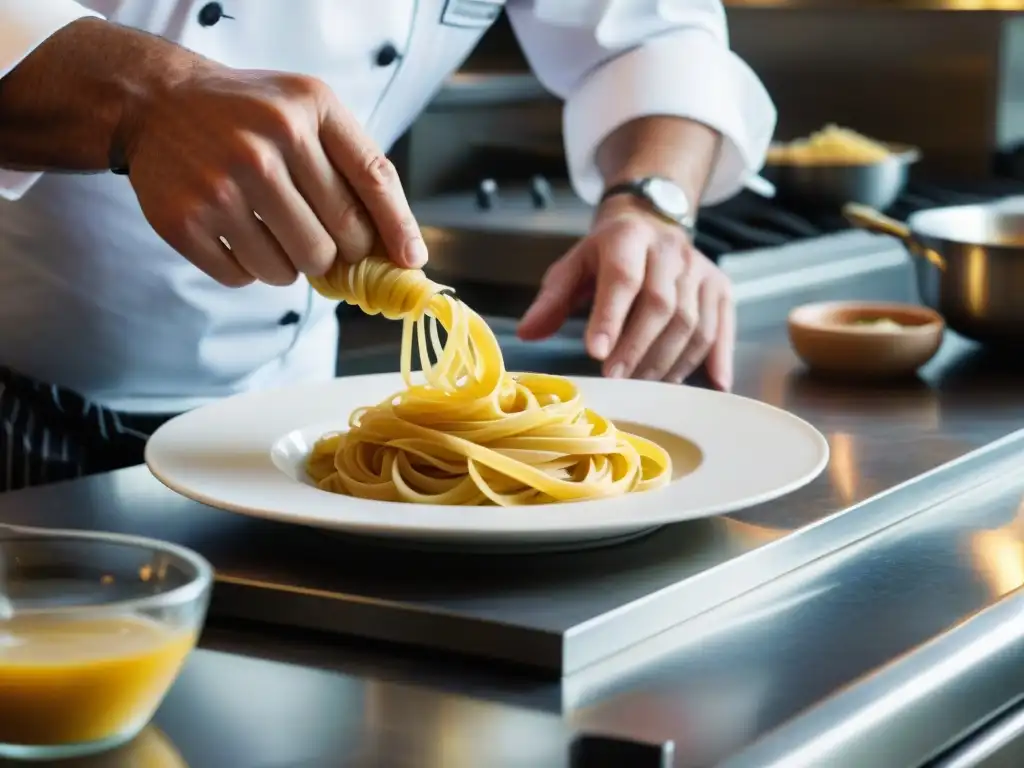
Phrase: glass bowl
pixel 93 633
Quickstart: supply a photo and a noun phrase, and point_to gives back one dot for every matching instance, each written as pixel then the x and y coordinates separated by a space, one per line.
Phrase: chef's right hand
pixel 272 165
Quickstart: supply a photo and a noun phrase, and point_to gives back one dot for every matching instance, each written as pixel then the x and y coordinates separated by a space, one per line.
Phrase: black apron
pixel 48 433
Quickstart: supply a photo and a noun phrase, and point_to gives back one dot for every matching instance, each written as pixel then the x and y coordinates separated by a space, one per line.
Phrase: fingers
pixel 295 187
pixel 670 345
pixel 375 181
pixel 335 206
pixel 556 297
pixel 248 239
pixel 655 306
pixel 272 163
pixel 270 192
pixel 701 335
pixel 257 250
pixel 621 266
pixel 722 355
pixel 210 255
pixel 221 264
pixel 192 232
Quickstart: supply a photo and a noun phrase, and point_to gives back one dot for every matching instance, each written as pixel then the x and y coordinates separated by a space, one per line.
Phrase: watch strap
pixel 634 187
pixel 638 189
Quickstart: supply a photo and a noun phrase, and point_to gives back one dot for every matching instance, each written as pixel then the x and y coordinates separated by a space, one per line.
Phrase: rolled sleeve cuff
pixel 24 26
pixel 689 73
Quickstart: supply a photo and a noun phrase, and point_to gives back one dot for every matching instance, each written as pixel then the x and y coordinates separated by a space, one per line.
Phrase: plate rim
pixel 399 529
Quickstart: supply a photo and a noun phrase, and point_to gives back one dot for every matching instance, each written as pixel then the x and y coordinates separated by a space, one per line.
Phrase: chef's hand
pixel 660 307
pixel 272 164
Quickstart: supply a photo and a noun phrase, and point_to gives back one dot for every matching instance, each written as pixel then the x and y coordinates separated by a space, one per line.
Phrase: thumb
pixel 555 300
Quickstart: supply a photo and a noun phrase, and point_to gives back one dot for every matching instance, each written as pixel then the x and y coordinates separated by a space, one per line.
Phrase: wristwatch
pixel 663 196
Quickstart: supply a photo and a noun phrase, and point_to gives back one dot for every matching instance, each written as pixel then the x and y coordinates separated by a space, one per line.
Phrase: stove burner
pixel 749 222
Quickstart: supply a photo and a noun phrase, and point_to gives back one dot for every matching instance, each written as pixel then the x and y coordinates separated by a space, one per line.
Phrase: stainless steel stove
pixel 506 235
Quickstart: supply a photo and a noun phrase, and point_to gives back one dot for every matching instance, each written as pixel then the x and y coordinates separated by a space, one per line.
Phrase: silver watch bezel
pixel 668 199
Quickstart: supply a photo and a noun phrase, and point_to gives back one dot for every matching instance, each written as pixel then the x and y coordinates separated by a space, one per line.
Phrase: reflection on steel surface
pixel 999 554
pixel 999 742
pixel 938 692
pixel 752 533
pixel 815 630
pixel 843 465
pixel 976 278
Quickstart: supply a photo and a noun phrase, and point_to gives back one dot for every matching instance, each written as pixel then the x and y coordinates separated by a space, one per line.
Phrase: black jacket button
pixel 210 14
pixel 289 318
pixel 387 55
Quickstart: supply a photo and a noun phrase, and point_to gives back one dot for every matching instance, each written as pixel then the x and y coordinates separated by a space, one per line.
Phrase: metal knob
pixel 540 192
pixel 486 194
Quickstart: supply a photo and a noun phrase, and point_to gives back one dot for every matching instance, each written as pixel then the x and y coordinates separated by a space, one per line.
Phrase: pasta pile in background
pixel 830 146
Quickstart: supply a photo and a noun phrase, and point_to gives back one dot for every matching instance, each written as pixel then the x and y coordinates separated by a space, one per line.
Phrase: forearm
pixel 674 147
pixel 65 105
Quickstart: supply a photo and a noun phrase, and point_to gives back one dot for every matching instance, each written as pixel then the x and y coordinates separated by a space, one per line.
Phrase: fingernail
pixel 601 345
pixel 649 376
pixel 415 253
pixel 617 371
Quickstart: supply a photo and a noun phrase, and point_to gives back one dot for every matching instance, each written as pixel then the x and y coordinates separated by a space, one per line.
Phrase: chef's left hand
pixel 660 307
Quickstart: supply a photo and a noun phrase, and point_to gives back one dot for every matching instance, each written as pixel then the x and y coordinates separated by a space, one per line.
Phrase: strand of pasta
pixel 471 432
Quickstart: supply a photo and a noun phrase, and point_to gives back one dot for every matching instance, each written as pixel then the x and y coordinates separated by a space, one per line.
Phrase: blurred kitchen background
pixel 485 170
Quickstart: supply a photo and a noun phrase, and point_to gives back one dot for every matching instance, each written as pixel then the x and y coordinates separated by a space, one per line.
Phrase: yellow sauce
pixel 79 681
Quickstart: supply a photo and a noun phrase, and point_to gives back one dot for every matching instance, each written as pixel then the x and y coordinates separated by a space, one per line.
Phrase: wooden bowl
pixel 859 339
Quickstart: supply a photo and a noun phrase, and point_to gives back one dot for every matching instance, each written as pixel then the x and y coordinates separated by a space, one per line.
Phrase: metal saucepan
pixel 830 186
pixel 969 264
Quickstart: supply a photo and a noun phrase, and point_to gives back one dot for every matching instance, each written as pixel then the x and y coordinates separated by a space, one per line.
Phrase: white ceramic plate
pixel 245 454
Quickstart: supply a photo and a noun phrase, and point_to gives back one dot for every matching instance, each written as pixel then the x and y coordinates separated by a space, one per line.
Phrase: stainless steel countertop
pixel 717 685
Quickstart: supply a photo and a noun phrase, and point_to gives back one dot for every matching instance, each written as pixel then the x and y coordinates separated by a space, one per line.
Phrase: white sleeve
pixel 617 60
pixel 24 25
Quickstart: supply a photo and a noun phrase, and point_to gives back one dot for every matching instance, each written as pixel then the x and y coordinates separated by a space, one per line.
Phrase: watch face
pixel 667 196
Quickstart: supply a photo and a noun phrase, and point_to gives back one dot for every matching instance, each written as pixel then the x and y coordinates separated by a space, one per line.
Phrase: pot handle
pixel 866 217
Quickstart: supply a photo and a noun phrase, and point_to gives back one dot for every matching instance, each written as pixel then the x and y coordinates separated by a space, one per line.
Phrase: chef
pixel 170 170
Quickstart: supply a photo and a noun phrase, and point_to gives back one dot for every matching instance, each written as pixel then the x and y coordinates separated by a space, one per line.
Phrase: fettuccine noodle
pixel 471 433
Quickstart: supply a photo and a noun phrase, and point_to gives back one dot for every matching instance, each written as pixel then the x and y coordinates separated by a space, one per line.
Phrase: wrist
pixel 622 205
pixel 137 90
pixel 681 150
pixel 655 196
pixel 689 186
pixel 70 101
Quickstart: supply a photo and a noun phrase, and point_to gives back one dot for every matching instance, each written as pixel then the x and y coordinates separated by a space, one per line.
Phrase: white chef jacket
pixel 92 299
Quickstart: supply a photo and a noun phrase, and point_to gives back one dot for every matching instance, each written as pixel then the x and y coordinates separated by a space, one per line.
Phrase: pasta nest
pixel 469 433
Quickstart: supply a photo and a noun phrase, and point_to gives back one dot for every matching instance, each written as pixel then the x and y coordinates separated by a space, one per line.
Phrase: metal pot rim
pixel 926 229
